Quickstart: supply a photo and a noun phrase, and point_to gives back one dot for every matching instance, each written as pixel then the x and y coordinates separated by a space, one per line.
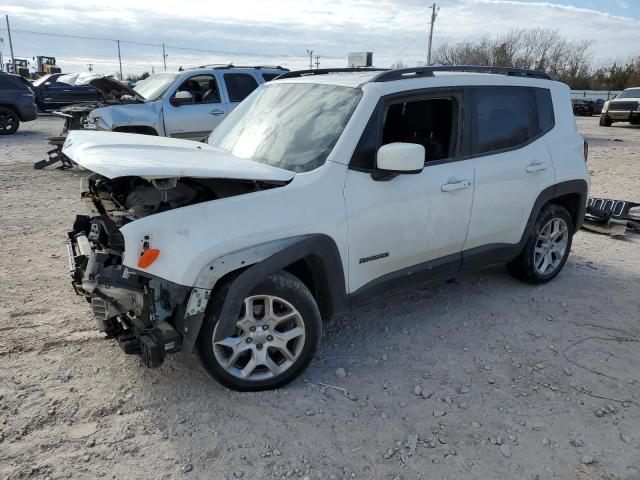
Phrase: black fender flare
pixel 228 302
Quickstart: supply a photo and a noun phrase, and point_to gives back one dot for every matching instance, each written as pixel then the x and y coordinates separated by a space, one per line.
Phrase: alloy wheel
pixel 551 246
pixel 7 122
pixel 269 338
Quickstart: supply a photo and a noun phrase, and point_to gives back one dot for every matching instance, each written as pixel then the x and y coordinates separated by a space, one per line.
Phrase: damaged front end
pixel 138 310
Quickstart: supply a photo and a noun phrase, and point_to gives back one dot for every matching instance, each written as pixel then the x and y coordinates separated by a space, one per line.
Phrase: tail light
pixel 585 150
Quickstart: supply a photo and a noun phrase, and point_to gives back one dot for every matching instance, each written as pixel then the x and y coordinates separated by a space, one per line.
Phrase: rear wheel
pixel 605 121
pixel 9 121
pixel 277 333
pixel 547 247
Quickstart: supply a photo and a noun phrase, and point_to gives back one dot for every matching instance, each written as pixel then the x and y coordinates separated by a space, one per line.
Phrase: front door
pixel 197 119
pixel 410 223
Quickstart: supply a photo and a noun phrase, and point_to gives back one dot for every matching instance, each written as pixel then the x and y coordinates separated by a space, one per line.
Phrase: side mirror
pixel 401 157
pixel 181 98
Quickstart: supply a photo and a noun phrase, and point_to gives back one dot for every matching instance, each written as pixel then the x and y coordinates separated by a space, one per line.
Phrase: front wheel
pixel 605 121
pixel 277 334
pixel 9 121
pixel 547 247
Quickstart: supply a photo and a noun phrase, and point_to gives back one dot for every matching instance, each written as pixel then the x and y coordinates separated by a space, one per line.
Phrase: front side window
pixel 288 125
pixel 429 122
pixel 502 119
pixel 203 89
pixel 239 85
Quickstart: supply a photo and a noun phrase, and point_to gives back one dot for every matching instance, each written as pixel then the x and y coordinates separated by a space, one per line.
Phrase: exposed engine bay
pixel 142 312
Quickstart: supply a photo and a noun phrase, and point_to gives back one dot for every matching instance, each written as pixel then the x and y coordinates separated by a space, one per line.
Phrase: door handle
pixel 536 167
pixel 216 112
pixel 66 91
pixel 453 186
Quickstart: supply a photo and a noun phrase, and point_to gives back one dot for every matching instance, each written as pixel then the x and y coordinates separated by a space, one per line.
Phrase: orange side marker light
pixel 148 257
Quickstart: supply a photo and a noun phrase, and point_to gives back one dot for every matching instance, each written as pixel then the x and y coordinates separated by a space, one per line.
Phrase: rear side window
pixel 502 119
pixel 239 85
pixel 270 76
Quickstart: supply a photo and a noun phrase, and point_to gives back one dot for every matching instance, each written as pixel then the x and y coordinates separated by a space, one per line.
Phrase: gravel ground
pixel 480 378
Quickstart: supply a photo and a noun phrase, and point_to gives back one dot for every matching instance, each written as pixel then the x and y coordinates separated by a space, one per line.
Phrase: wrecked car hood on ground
pixel 114 155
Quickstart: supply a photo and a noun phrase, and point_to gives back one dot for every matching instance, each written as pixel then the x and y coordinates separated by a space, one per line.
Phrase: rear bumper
pixel 136 310
pixel 27 111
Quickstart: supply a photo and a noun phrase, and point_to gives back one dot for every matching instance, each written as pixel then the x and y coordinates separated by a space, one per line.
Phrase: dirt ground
pixel 481 378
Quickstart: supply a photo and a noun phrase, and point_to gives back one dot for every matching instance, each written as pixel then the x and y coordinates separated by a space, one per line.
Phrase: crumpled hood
pixel 114 155
pixel 113 88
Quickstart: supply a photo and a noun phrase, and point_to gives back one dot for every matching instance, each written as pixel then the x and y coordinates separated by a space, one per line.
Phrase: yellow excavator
pixel 45 66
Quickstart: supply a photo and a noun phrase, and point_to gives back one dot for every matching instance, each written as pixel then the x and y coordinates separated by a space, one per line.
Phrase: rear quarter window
pixel 546 119
pixel 270 76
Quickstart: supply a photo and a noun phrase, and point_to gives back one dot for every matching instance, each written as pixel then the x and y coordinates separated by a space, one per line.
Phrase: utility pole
pixel 119 59
pixel 434 14
pixel 317 62
pixel 164 58
pixel 90 66
pixel 310 53
pixel 13 60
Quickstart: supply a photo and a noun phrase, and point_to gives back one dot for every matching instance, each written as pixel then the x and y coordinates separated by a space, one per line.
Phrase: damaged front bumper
pixel 146 315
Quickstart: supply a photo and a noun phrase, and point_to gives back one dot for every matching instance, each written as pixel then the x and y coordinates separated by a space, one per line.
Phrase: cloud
pixel 252 31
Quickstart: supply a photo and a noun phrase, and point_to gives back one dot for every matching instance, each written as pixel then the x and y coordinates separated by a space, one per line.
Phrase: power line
pixel 411 42
pixel 156 45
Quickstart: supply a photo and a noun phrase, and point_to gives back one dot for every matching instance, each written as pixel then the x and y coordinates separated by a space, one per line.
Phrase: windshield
pixel 291 126
pixel 630 93
pixel 41 80
pixel 153 87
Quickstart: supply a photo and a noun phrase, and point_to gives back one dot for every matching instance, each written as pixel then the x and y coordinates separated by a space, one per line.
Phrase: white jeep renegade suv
pixel 322 190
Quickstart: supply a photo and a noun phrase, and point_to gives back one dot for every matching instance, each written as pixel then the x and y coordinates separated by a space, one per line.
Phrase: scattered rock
pixel 427 393
pixel 576 442
pixel 505 451
pixel 186 468
pixel 626 439
pixel 439 413
pixel 417 390
pixel 340 372
pixel 586 459
pixel 238 474
pixel 86 458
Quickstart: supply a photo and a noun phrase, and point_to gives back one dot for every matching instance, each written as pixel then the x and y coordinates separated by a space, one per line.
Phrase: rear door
pixel 195 120
pixel 512 162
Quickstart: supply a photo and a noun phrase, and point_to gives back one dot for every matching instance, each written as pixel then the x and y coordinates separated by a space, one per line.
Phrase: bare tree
pixel 540 49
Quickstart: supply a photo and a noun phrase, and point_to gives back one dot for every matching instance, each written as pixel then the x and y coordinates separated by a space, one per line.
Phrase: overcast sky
pixel 280 31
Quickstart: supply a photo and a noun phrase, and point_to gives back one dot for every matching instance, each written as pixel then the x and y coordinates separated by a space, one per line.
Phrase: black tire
pixel 284 286
pixel 523 267
pixel 605 121
pixel 9 121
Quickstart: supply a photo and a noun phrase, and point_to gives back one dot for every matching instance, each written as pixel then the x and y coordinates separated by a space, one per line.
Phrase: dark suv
pixel 16 103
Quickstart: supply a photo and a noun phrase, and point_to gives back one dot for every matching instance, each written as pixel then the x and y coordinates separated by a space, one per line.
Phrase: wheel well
pixel 10 107
pixel 571 202
pixel 311 271
pixel 140 129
